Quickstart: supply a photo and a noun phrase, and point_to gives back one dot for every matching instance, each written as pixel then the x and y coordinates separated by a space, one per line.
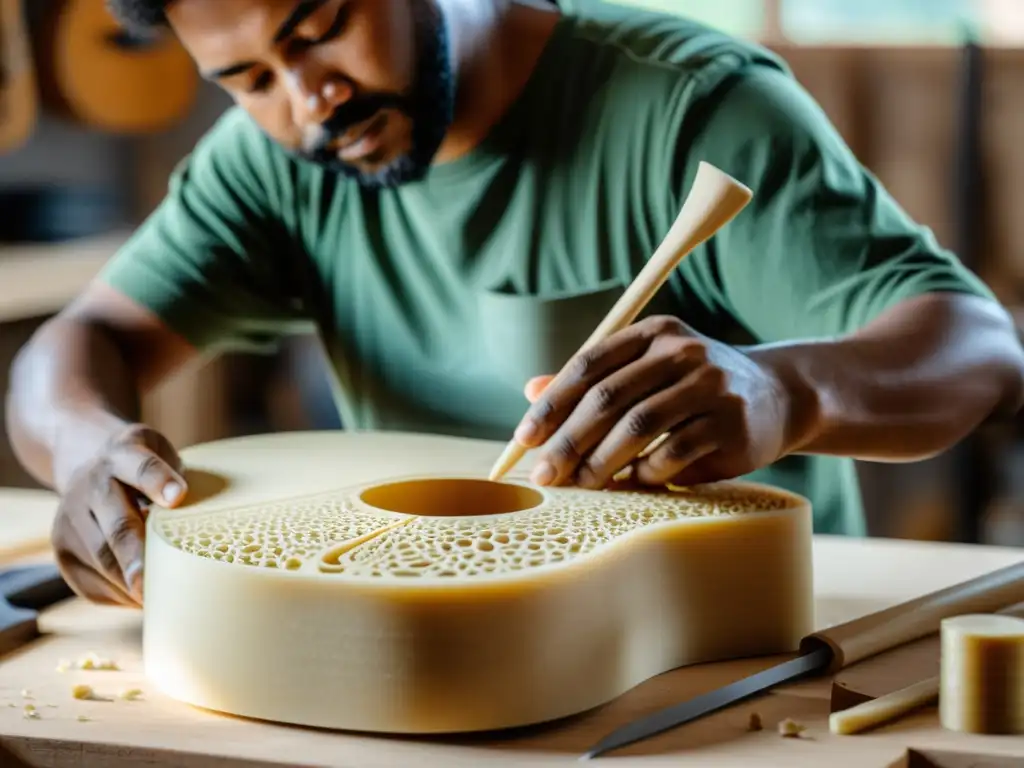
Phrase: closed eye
pixel 340 18
pixel 261 82
pixel 335 29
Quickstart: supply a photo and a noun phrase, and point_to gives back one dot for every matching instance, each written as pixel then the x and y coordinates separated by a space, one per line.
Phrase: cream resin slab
pixel 376 582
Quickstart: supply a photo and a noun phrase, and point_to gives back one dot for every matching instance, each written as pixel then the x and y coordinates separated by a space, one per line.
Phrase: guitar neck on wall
pixel 18 105
pixel 102 76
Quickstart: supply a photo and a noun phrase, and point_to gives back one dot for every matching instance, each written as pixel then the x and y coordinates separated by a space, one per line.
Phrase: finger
pixel 90 545
pixel 535 386
pixel 140 467
pixel 694 396
pixel 157 442
pixel 80 545
pixel 684 447
pixel 599 410
pixel 707 469
pixel 123 530
pixel 584 370
pixel 90 585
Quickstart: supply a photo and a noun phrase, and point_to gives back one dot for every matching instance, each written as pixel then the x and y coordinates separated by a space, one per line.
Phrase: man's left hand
pixel 725 414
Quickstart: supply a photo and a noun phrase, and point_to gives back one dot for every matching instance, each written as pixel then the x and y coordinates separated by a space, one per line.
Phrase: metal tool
pixel 815 661
pixel 24 591
pixel 833 648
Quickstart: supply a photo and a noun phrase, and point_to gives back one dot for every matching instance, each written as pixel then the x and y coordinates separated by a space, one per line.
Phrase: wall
pixel 63 153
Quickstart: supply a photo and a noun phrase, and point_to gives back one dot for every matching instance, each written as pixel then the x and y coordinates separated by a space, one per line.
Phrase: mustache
pixel 352 113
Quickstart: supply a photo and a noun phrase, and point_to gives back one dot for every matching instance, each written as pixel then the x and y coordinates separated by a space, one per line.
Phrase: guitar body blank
pixel 18 107
pixel 374 581
pixel 108 81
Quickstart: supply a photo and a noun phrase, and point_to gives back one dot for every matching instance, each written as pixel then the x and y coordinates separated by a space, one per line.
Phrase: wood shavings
pixel 93 661
pixel 790 729
pixel 82 692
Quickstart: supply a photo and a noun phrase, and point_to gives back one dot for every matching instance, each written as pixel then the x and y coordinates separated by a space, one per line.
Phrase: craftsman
pixel 451 193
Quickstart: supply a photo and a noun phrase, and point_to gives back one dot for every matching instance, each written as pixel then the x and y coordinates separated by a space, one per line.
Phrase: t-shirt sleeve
pixel 822 248
pixel 213 259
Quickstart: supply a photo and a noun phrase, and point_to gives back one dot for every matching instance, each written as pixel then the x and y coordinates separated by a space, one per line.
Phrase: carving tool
pixel 831 649
pixel 714 199
pixel 885 709
pixel 24 591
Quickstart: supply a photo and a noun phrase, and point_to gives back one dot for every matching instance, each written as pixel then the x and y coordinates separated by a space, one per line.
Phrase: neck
pixel 495 47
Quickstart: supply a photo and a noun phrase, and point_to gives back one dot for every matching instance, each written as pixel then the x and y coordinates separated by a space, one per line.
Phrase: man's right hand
pixel 99 531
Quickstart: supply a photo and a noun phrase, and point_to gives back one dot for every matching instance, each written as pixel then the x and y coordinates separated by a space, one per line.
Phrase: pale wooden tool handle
pixel 714 199
pixel 885 709
pixel 858 639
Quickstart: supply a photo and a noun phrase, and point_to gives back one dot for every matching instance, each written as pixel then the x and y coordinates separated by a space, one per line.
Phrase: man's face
pixel 363 87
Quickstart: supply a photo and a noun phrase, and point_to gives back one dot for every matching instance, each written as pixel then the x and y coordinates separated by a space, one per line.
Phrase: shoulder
pixel 666 89
pixel 236 157
pixel 662 47
pixel 669 92
pixel 233 141
pixel 694 71
pixel 764 106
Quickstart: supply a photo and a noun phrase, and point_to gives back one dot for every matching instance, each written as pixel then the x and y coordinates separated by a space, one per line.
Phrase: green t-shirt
pixel 436 301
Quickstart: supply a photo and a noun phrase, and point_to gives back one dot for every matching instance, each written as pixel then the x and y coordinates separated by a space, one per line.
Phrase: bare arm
pixel 80 379
pixel 906 387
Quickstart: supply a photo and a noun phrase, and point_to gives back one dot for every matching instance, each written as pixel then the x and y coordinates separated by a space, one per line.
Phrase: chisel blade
pixel 24 591
pixel 678 714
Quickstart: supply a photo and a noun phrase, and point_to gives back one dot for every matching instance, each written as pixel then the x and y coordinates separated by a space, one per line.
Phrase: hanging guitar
pixel 18 106
pixel 102 76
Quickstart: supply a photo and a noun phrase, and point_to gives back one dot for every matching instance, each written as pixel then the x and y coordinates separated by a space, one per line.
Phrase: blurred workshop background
pixel 929 93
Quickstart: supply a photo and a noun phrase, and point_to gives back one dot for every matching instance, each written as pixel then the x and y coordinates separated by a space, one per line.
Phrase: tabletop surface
pixel 852 577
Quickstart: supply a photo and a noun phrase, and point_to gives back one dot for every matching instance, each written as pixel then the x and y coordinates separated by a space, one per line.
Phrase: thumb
pixel 141 468
pixel 536 386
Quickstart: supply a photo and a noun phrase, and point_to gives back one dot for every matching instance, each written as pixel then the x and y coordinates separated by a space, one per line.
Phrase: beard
pixel 429 106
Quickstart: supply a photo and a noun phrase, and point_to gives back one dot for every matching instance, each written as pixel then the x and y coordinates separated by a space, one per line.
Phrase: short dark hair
pixel 143 16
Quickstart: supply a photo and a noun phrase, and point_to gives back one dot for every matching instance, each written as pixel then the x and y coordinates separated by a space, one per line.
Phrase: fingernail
pixel 526 432
pixel 172 492
pixel 133 577
pixel 543 474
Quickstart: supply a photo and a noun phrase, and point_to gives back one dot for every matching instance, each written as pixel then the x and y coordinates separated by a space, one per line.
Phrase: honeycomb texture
pixel 577 524
pixel 334 533
pixel 281 535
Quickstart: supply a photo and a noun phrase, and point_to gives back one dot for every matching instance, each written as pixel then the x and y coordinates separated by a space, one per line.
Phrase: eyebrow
pixel 303 10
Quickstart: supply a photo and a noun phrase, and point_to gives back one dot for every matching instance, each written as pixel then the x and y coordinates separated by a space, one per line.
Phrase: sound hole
pixel 451 497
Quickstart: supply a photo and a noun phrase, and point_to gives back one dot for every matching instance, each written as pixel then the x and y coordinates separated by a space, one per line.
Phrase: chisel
pixel 24 592
pixel 830 650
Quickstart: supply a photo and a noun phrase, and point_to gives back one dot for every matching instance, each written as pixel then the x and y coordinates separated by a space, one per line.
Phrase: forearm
pixel 70 389
pixel 906 387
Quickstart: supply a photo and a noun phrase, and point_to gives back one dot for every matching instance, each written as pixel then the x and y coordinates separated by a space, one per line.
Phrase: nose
pixel 316 95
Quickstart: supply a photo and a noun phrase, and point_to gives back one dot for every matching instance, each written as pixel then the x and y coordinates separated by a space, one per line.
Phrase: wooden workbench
pixel 853 577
